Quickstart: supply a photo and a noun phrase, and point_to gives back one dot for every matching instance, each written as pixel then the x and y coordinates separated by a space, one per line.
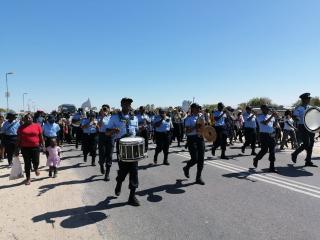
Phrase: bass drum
pixel 312 119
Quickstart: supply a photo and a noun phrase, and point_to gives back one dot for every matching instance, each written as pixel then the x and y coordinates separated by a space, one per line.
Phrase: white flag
pixel 86 105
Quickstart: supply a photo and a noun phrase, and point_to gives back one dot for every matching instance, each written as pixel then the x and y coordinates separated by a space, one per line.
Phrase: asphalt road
pixel 236 203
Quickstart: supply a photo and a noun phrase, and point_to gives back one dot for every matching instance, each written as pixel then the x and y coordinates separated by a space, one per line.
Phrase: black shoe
pixel 253 153
pixel 224 157
pixel 213 152
pixel 166 163
pixel 255 163
pixel 293 158
pixel 55 175
pixel 186 172
pixel 117 190
pixel 310 164
pixel 50 173
pixel 93 164
pixel 133 201
pixel 243 149
pixel 200 181
pixel 155 161
pixel 281 148
pixel 102 169
pixel 273 170
pixel 85 159
pixel 106 178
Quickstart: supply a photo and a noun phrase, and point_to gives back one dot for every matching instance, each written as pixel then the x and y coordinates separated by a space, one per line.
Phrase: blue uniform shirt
pixel 266 128
pixel 165 125
pixel 91 129
pixel 76 117
pixel 221 121
pixel 104 124
pixel 249 123
pixel 299 113
pixel 191 122
pixel 142 119
pixel 10 128
pixel 127 124
pixel 50 130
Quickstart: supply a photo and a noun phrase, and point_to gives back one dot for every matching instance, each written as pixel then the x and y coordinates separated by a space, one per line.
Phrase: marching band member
pixel 289 130
pixel 104 142
pixel 177 122
pixel 76 129
pixel 50 130
pixel 306 136
pixel 196 143
pixel 89 126
pixel 267 123
pixel 121 125
pixel 143 121
pixel 250 128
pixel 163 125
pixel 219 116
pixel 10 135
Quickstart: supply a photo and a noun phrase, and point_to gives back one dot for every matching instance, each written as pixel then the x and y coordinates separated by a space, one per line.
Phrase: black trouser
pixel 307 142
pixel 250 135
pixel 78 132
pixel 89 145
pixel 196 148
pixel 125 168
pixel 178 132
pixel 30 155
pixel 163 143
pixel 105 146
pixel 268 142
pixel 145 134
pixel 10 145
pixel 221 138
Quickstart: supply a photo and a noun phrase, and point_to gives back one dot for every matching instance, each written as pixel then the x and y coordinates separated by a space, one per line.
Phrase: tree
pixel 211 107
pixel 258 101
pixel 2 110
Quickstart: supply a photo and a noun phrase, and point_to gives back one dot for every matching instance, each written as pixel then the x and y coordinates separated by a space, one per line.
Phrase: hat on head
pixel 263 106
pixel 126 100
pixel 305 96
pixel 11 113
pixel 195 105
pixel 161 111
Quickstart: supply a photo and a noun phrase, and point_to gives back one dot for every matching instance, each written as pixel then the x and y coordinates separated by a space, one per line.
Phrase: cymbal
pixel 209 133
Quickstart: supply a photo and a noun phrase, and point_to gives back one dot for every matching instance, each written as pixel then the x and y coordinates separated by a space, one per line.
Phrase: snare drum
pixel 131 149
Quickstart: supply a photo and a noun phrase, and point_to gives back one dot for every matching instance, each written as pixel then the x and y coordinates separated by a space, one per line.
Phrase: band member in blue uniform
pixel 89 140
pixel 250 130
pixel 306 136
pixel 10 135
pixel 267 124
pixel 219 116
pixel 105 144
pixel 163 126
pixel 143 121
pixel 196 143
pixel 76 129
pixel 125 124
pixel 50 130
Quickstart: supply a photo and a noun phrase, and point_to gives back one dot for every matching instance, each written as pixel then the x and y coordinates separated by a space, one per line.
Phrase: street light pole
pixel 7 93
pixel 23 100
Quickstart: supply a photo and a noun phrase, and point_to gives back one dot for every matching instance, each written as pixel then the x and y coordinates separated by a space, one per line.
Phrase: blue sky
pixel 159 52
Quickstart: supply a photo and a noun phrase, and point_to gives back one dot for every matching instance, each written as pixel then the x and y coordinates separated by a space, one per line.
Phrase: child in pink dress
pixel 53 161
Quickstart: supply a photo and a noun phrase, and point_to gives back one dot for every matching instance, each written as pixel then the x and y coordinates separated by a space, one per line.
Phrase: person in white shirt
pixel 288 130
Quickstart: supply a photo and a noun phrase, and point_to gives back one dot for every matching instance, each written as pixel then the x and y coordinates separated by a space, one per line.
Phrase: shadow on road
pixel 46 188
pixel 168 188
pixel 80 216
pixel 22 183
pixel 292 171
